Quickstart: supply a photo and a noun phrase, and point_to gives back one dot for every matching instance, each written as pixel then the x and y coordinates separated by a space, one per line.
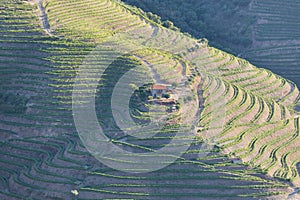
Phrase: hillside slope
pixel 42 155
pixel 255 98
pixel 264 32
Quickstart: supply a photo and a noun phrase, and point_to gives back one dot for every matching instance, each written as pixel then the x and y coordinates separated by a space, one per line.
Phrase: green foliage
pixel 208 19
pixel 12 103
pixel 189 98
pixel 168 24
pixel 167 96
pixel 174 84
pixel 61 161
pixel 154 17
pixel 233 26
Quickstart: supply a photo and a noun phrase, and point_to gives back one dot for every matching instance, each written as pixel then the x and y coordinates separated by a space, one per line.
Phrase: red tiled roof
pixel 159 87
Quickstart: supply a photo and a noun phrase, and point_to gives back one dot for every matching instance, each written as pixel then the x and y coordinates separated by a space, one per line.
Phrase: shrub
pixel 168 24
pixel 167 96
pixel 174 84
pixel 154 17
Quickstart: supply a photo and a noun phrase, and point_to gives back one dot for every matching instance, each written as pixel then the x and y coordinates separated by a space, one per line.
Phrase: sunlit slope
pixel 41 154
pixel 263 32
pixel 261 127
pixel 256 99
pixel 27 100
pixel 71 19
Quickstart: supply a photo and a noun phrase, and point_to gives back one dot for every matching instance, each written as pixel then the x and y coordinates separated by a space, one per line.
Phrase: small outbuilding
pixel 160 90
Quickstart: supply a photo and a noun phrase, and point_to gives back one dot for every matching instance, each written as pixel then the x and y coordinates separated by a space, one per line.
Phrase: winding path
pixel 294 195
pixel 44 19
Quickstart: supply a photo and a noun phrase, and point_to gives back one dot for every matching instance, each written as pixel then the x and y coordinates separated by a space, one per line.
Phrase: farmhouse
pixel 160 90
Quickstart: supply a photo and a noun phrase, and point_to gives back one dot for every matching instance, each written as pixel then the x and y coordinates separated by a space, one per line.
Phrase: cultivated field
pixel 264 32
pixel 249 110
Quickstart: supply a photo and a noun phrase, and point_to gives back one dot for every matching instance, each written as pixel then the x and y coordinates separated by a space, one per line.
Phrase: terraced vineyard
pixel 276 37
pixel 248 110
pixel 263 32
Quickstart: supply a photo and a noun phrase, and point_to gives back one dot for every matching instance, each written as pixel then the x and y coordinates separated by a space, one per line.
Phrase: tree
pixel 168 24
pixel 178 106
pixel 174 84
pixel 154 17
pixel 167 96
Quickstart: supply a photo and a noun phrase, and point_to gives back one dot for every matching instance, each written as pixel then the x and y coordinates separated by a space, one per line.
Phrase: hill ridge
pixel 180 44
pixel 44 85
